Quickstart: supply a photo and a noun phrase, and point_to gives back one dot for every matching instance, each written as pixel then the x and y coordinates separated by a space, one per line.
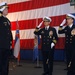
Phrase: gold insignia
pixel 54 41
pixel 73 32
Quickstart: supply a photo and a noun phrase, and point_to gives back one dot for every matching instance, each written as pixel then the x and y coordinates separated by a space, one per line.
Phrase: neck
pixel 4 15
pixel 70 24
pixel 46 25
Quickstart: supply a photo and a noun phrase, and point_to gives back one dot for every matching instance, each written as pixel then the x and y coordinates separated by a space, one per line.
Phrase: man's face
pixel 69 21
pixel 5 11
pixel 46 23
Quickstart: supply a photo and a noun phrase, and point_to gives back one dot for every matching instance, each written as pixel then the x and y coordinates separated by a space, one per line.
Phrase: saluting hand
pixel 63 22
pixel 40 25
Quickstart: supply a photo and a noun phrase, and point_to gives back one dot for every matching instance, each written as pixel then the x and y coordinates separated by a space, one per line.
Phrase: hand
pixel 63 22
pixel 52 45
pixel 40 25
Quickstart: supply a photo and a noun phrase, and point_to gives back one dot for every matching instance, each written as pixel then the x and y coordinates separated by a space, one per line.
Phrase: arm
pixel 37 31
pixel 61 30
pixel 55 38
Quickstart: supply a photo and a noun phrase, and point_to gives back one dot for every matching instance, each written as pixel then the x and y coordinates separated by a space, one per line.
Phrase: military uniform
pixel 5 44
pixel 48 36
pixel 69 47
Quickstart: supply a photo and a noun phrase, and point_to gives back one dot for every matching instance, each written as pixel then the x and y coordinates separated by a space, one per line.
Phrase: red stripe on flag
pixel 29 44
pixel 30 24
pixel 35 4
pixel 60 43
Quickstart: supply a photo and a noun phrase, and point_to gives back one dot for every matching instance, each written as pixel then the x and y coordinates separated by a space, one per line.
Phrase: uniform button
pixel 44 43
pixel 70 42
pixel 5 24
pixel 67 35
pixel 70 39
pixel 71 36
pixel 8 33
pixel 66 42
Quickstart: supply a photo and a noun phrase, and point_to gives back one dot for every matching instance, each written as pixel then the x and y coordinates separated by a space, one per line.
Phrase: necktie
pixel 46 28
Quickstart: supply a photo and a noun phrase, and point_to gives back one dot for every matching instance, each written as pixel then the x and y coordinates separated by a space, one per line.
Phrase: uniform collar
pixel 4 16
pixel 47 27
pixel 71 25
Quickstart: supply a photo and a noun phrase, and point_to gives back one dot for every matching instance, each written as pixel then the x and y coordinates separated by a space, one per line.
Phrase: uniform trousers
pixel 4 61
pixel 48 55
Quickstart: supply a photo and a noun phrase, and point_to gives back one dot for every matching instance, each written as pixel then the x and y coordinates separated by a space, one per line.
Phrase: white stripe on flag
pixel 41 12
pixel 72 9
pixel 17 48
pixel 29 33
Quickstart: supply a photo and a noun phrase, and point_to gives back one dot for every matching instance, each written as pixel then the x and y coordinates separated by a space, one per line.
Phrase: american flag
pixel 27 11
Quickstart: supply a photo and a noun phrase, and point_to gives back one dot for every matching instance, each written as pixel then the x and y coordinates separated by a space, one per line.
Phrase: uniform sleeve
pixel 11 36
pixel 55 36
pixel 61 30
pixel 37 31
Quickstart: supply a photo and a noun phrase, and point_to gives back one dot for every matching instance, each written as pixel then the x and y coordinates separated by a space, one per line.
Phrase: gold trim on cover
pixel 59 28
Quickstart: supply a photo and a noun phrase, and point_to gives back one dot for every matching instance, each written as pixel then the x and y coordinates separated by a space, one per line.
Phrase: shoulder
pixel 52 28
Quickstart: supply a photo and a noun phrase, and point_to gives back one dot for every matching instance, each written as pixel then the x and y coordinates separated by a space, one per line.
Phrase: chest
pixel 5 24
pixel 47 34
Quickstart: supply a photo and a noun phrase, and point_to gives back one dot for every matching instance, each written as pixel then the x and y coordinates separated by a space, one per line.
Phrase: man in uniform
pixel 5 39
pixel 49 39
pixel 69 31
